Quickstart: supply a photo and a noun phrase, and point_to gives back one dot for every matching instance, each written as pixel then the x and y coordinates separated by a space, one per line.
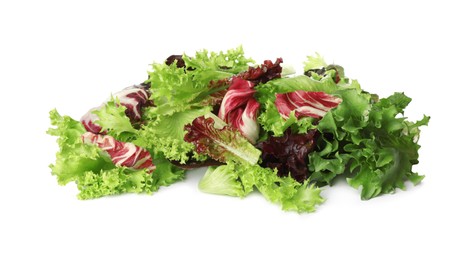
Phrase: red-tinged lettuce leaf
pixel 220 142
pixel 263 73
pixel 216 93
pixel 178 59
pixel 289 153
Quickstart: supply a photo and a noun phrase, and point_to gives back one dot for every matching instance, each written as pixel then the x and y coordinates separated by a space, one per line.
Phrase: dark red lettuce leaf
pixel 179 61
pixel 289 153
pixel 264 73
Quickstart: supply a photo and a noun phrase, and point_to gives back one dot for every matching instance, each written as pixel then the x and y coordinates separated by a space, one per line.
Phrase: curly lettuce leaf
pixel 314 62
pixel 175 88
pixel 349 117
pixel 166 134
pixel 114 121
pixel 376 147
pixel 206 66
pixel 172 89
pixel 114 181
pixel 239 180
pixel 387 154
pixel 74 158
pixel 271 120
pixel 123 180
pixel 166 173
pixel 92 169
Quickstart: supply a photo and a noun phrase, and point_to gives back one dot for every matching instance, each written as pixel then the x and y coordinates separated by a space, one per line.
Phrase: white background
pixel 71 56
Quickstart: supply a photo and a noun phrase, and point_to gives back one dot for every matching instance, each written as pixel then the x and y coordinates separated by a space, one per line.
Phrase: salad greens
pixel 93 170
pixel 257 127
pixel 240 180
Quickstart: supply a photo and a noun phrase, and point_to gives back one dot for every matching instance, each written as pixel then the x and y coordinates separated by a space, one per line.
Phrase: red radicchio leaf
pixel 133 98
pixel 305 103
pixel 264 73
pixel 88 120
pixel 239 108
pixel 121 153
pixel 289 153
pixel 246 120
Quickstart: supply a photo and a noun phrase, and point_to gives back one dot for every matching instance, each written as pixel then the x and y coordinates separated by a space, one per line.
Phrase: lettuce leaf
pixel 223 180
pixel 114 121
pixel 206 66
pixel 165 134
pixel 92 169
pixel 114 181
pixel 270 118
pixel 377 147
pixel 74 158
pixel 175 88
pixel 166 173
pixel 120 180
pixel 240 180
pixel 314 62
pixel 212 137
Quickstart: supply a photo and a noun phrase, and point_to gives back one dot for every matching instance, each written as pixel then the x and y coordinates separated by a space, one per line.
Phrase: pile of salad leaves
pixel 256 127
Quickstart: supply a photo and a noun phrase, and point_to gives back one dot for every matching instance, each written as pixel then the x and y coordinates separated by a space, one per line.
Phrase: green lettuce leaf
pixel 207 66
pixel 369 143
pixel 114 181
pixel 223 180
pixel 172 89
pixel 314 62
pixel 271 120
pixel 166 134
pixel 166 173
pixel 177 89
pixel 239 180
pixel 74 158
pixel 92 169
pixel 388 151
pixel 113 119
